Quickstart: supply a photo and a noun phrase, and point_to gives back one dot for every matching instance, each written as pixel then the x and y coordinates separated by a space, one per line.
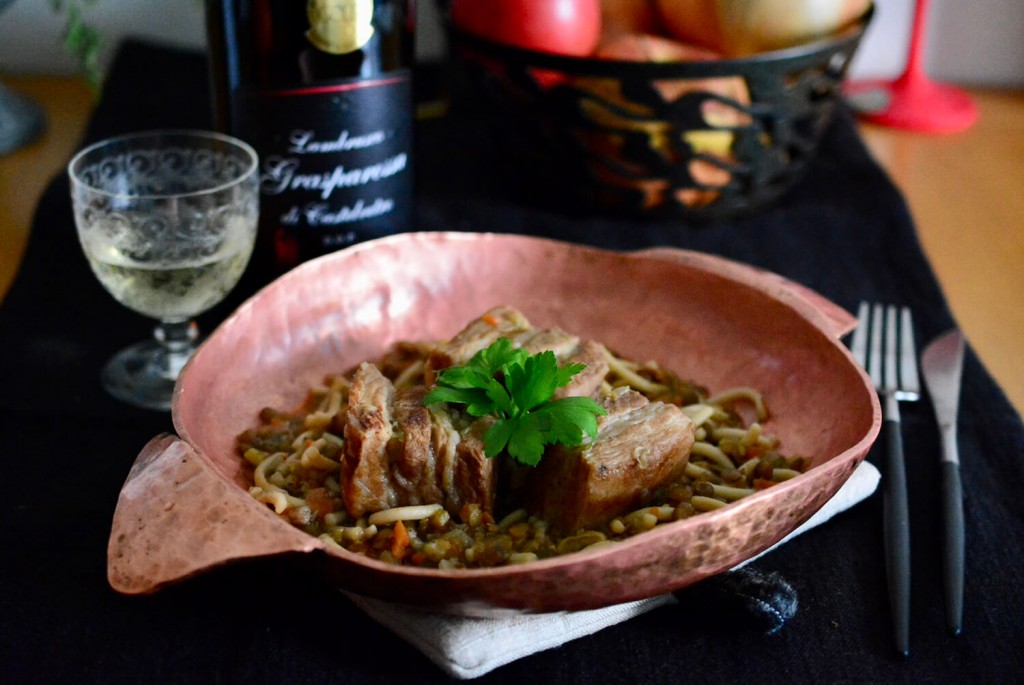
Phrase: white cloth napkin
pixel 470 647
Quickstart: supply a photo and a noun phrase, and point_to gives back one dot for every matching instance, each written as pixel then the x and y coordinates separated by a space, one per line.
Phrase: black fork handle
pixel 896 519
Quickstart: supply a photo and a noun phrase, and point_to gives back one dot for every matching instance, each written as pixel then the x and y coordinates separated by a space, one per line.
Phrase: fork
pixel 883 343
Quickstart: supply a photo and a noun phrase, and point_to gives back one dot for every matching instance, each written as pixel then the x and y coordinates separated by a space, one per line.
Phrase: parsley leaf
pixel 517 388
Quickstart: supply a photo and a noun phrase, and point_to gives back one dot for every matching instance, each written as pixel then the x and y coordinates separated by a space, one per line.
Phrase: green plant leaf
pixel 498 355
pixel 533 382
pixel 81 39
pixel 570 418
pixel 517 388
pixel 526 444
pixel 497 436
pixel 566 372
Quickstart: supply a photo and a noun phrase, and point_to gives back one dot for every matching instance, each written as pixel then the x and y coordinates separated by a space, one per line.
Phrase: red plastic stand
pixel 913 101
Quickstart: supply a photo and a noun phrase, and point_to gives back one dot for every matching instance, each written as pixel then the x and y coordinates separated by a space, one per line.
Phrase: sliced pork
pixel 398 452
pixel 510 323
pixel 366 480
pixel 411 450
pixel 499 322
pixel 640 447
pixel 588 382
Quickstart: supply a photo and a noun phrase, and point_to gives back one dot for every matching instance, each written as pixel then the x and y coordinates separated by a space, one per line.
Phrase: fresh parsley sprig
pixel 517 388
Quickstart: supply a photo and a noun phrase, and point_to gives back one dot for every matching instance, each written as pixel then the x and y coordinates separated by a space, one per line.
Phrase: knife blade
pixel 942 366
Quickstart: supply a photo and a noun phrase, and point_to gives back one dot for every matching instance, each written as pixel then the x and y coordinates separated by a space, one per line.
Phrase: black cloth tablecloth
pixel 67 447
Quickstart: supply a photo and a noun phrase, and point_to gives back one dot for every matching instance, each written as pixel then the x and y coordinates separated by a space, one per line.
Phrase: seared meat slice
pixel 475 474
pixel 365 473
pixel 555 339
pixel 620 401
pixel 499 322
pixel 587 383
pixel 464 473
pixel 402 358
pixel 569 348
pixel 411 450
pixel 640 447
pixel 506 322
pixel 398 452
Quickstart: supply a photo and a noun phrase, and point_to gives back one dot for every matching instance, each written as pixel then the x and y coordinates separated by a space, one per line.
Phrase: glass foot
pixel 142 375
pixel 915 103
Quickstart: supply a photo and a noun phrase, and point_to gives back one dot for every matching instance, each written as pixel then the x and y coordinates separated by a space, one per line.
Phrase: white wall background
pixel 972 42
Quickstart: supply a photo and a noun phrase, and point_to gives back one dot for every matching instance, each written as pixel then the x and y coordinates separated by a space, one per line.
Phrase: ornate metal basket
pixel 707 140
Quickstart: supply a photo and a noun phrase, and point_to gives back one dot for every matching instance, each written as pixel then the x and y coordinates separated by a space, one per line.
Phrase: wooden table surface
pixel 963 190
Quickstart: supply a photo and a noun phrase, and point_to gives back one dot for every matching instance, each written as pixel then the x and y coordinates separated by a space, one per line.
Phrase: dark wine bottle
pixel 323 90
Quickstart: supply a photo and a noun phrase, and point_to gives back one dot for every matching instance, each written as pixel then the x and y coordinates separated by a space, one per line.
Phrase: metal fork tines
pixel 883 344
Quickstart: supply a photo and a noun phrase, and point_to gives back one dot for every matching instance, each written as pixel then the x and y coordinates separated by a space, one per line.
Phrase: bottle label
pixel 335 162
pixel 339 26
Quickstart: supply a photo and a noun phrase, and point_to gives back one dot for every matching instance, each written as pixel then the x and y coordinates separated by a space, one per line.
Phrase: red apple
pixel 564 27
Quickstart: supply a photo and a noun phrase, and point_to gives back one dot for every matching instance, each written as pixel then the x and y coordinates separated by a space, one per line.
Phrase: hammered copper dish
pixel 184 508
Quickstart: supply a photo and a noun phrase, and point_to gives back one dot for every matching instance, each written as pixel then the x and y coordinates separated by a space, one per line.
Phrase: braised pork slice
pixel 365 472
pixel 507 322
pixel 558 341
pixel 475 474
pixel 588 382
pixel 641 446
pixel 464 474
pixel 499 322
pixel 398 452
pixel 620 401
pixel 411 450
pixel 569 348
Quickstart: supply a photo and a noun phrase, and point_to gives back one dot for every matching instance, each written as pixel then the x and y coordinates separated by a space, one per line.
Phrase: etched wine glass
pixel 167 220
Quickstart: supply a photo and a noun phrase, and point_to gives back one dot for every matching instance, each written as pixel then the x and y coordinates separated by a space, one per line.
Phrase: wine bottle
pixel 323 90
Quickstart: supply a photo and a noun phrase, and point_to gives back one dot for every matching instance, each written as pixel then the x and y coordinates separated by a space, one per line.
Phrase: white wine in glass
pixel 167 221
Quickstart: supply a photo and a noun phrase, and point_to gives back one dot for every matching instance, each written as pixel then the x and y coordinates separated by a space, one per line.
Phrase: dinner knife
pixel 942 366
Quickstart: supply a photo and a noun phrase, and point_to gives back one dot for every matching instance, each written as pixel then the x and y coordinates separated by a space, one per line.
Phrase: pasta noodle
pixel 409 513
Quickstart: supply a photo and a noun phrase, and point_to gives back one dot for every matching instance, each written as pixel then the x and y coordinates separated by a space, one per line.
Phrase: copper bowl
pixel 184 508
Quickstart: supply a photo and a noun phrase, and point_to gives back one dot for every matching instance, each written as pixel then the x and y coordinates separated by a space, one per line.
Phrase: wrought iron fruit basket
pixel 705 139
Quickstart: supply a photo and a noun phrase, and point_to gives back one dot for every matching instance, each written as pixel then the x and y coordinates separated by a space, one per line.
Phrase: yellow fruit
pixel 746 27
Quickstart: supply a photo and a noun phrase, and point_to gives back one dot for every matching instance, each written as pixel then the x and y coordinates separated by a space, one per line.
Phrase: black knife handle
pixel 953 567
pixel 896 519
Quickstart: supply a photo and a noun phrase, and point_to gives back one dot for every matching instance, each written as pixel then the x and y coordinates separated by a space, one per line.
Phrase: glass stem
pixel 178 340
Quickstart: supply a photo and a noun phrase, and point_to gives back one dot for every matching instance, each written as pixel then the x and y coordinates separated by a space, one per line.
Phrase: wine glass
pixel 914 101
pixel 167 220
